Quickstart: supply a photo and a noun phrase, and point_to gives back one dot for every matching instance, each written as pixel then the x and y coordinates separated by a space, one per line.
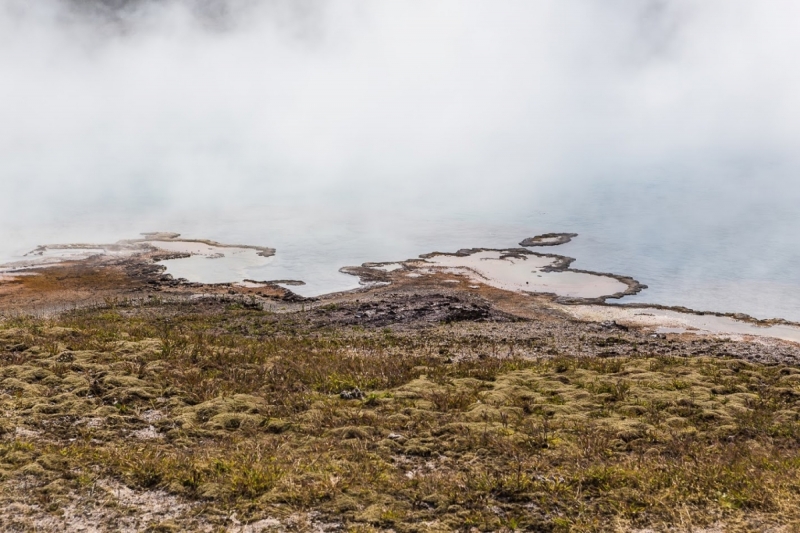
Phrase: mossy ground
pixel 234 416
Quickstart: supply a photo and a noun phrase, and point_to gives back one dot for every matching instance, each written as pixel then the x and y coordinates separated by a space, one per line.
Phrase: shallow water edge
pixel 222 268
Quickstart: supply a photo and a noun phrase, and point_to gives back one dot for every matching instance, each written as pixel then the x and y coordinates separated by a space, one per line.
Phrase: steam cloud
pixel 142 106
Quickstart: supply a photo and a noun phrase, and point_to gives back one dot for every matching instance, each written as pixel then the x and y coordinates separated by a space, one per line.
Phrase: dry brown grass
pixel 246 418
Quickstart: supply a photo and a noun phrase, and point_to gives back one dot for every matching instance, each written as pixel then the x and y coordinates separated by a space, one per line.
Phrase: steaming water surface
pixel 710 264
pixel 664 133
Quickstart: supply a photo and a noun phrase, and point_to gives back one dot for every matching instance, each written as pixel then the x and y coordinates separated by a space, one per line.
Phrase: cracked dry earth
pixel 475 412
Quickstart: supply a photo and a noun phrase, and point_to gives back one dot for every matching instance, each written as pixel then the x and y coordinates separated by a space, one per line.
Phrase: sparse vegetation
pixel 462 426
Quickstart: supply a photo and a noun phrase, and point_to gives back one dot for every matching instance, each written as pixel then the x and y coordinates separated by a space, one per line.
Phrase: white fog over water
pixel 338 132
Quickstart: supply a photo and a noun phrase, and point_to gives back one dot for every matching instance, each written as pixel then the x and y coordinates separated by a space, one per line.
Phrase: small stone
pixel 65 357
pixel 354 394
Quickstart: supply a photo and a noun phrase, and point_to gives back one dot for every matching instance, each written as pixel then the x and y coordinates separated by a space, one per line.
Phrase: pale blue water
pixel 673 236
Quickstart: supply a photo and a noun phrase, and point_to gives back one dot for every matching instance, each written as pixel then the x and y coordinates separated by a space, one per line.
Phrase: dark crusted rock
pixel 612 324
pixel 290 296
pixel 352 394
pixel 395 309
pixel 548 239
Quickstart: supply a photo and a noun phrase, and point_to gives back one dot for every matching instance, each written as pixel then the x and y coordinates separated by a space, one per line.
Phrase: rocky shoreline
pixel 132 269
pixel 143 244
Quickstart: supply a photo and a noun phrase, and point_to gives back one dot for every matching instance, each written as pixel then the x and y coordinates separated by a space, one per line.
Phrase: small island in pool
pixel 548 239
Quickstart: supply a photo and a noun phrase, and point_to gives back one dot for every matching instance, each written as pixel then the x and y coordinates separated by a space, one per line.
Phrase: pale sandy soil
pixel 669 321
pixel 524 273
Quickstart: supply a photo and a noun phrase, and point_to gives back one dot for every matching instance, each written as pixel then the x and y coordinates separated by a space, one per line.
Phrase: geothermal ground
pixel 443 396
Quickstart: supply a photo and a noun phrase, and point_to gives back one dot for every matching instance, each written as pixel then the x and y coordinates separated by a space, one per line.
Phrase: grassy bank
pixel 237 416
